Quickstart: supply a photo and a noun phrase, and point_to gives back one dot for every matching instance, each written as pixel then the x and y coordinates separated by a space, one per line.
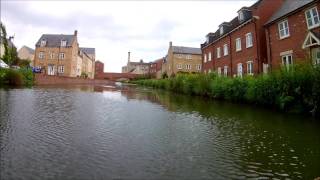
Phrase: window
pixel 238 44
pixel 219 71
pixel 180 56
pixel 240 16
pixel 318 57
pixel 283 29
pixel 63 43
pixel 218 52
pixel 43 43
pixel 60 69
pixel 287 60
pixel 221 30
pixel 312 17
pixel 41 55
pixel 239 70
pixel 225 71
pixel 51 55
pixel 205 58
pixel 61 56
pixel 188 56
pixel 179 66
pixel 250 67
pixel 188 66
pixel 198 67
pixel 249 42
pixel 225 50
pixel 209 56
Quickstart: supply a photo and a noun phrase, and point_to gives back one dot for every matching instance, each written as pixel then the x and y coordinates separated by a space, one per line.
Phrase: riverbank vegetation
pixel 16 77
pixel 296 90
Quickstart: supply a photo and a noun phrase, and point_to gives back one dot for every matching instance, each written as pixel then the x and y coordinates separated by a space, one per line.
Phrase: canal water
pixel 96 132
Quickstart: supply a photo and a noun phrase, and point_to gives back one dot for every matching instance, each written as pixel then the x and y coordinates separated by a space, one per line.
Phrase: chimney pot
pixel 170 43
pixel 76 33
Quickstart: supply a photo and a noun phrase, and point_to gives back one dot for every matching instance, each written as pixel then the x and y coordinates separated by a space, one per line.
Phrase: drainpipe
pixel 268 49
pixel 231 68
pixel 257 44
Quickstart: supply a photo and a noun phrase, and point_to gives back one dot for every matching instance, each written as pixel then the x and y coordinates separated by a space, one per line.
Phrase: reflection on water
pixel 100 132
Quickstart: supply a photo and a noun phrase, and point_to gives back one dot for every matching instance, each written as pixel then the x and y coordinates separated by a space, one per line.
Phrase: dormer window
pixel 221 30
pixel 63 43
pixel 43 43
pixel 240 16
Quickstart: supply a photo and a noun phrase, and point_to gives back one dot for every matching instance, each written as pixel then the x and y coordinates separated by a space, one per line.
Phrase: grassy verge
pixel 12 77
pixel 297 90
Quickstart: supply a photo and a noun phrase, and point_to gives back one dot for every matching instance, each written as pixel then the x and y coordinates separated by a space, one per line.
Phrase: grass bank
pixel 296 90
pixel 13 77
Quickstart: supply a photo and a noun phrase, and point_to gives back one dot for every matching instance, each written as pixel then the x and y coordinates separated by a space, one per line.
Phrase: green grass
pixel 296 90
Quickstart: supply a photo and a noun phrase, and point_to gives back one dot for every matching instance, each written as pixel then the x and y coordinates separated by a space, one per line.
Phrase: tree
pixel 10 53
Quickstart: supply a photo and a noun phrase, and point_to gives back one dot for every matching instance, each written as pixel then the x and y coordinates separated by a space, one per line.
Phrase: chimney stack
pixel 170 44
pixel 129 56
pixel 75 33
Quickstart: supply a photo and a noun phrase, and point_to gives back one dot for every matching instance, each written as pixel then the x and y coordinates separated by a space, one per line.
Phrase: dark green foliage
pixel 14 77
pixel 296 90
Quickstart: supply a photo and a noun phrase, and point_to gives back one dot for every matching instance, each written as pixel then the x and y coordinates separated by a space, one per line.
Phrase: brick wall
pixel 42 79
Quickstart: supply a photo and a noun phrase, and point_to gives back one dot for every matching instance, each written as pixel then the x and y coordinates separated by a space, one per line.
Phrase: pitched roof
pixel 88 50
pixel 287 7
pixel 186 50
pixel 54 40
pixel 31 51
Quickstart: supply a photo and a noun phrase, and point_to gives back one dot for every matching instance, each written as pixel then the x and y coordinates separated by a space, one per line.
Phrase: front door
pixel 316 55
pixel 51 70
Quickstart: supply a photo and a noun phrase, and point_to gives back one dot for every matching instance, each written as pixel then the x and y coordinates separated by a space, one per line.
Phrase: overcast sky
pixel 116 27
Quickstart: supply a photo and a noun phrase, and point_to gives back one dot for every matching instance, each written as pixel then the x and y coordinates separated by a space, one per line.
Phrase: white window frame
pixel 238 44
pixel 51 55
pixel 317 61
pixel 225 70
pixel 209 56
pixel 61 69
pixel 221 30
pixel 285 31
pixel 43 43
pixel 41 55
pixel 218 52
pixel 198 67
pixel 250 67
pixel 180 56
pixel 188 56
pixel 239 73
pixel 249 40
pixel 219 71
pixel 63 43
pixel 188 66
pixel 313 17
pixel 179 66
pixel 285 60
pixel 62 55
pixel 225 50
pixel 240 16
pixel 205 58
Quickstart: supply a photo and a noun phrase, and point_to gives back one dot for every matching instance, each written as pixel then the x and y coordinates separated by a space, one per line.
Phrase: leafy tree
pixel 10 53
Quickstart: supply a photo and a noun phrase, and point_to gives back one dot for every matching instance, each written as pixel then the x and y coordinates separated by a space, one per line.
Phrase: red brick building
pixel 155 69
pixel 238 47
pixel 99 68
pixel 293 33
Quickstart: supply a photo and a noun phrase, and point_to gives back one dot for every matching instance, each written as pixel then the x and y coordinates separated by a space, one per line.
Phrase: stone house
pixel 26 53
pixel 59 54
pixel 182 59
pixel 293 34
pixel 136 67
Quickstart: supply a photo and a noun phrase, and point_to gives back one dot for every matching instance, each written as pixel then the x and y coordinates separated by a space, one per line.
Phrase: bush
pixel 296 90
pixel 14 77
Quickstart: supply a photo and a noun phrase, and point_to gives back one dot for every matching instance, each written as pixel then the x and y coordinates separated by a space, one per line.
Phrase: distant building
pixel 293 34
pixel 155 69
pixel 182 59
pixel 26 53
pixel 59 54
pixel 10 44
pixel 99 68
pixel 136 67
